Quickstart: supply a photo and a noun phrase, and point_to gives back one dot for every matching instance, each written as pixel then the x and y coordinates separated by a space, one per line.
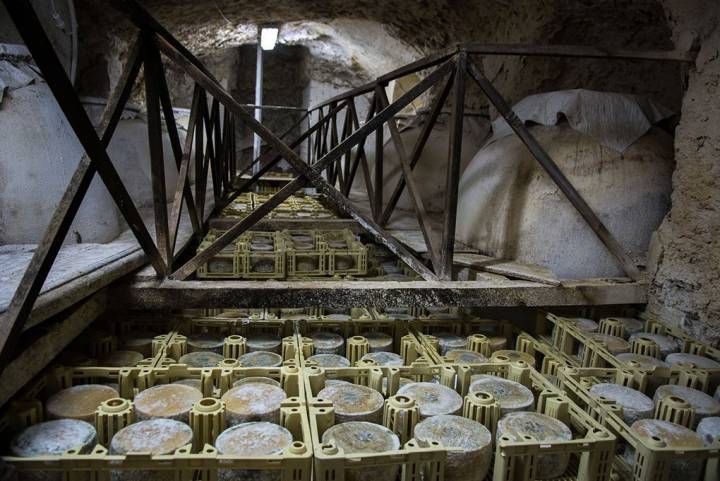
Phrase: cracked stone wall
pixel 686 250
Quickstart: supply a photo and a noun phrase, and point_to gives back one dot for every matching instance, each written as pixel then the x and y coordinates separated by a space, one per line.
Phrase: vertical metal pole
pixel 258 101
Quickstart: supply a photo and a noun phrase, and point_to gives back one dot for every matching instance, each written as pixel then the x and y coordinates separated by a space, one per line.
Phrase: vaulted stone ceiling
pixel 353 41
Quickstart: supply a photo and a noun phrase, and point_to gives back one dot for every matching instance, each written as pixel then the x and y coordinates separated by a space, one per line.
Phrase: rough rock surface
pixel 685 277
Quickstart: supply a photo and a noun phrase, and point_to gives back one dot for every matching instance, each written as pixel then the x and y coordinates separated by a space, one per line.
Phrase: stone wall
pixel 686 270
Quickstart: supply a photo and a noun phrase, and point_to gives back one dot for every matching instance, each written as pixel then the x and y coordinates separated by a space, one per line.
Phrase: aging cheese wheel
pixel 122 359
pixel 666 344
pixel 263 342
pixel 673 436
pixel 432 399
pixel 709 429
pixel 630 325
pixel 54 437
pixel 464 356
pixel 169 401
pixel 141 343
pixel 364 437
pixel 253 401
pixel 585 325
pixel 258 379
pixel 469 460
pixel 513 356
pixel 154 436
pixel 635 404
pixel 201 359
pixel 497 343
pixel 448 341
pixel 700 362
pixel 205 342
pixel 640 360
pixel 260 359
pixel 327 343
pixel 378 341
pixel 353 402
pixel 542 428
pixel 511 395
pixel 194 383
pixel 78 402
pixel 383 358
pixel 615 345
pixel 704 404
pixel 329 360
pixel 254 439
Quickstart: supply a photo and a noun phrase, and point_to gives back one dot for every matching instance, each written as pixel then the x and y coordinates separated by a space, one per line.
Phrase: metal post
pixel 258 100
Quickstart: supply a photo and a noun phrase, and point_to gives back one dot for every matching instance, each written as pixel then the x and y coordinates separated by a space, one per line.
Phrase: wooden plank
pixel 152 71
pixel 280 224
pixel 579 51
pixel 555 173
pixel 379 163
pixel 508 268
pixel 419 146
pixel 447 246
pixel 429 234
pixel 155 294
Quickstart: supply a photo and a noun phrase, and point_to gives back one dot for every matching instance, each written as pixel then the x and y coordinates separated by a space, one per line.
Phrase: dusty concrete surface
pixel 686 252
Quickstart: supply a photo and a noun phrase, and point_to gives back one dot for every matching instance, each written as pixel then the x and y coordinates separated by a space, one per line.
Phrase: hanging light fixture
pixel 268 37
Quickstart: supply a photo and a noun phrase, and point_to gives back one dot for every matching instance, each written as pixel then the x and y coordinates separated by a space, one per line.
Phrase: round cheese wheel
pixel 353 402
pixel 201 359
pixel 432 399
pixel 541 428
pixel 704 404
pixel 700 362
pixel 205 342
pixel 383 358
pixel 263 342
pixel 513 356
pixel 673 436
pixel 260 359
pixel 585 325
pixel 378 341
pixel 364 437
pixel 169 401
pixel 497 343
pixel 630 325
pixel 666 344
pixel 122 359
pixel 194 383
pixel 640 360
pixel 154 436
pixel 635 404
pixel 253 401
pixel 448 341
pixel 54 437
pixel 615 345
pixel 258 379
pixel 471 443
pixel 709 429
pixel 464 356
pixel 78 402
pixel 510 395
pixel 254 439
pixel 327 343
pixel 329 360
pixel 141 343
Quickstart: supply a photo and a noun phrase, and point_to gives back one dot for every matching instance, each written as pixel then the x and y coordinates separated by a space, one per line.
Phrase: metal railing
pixel 210 149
